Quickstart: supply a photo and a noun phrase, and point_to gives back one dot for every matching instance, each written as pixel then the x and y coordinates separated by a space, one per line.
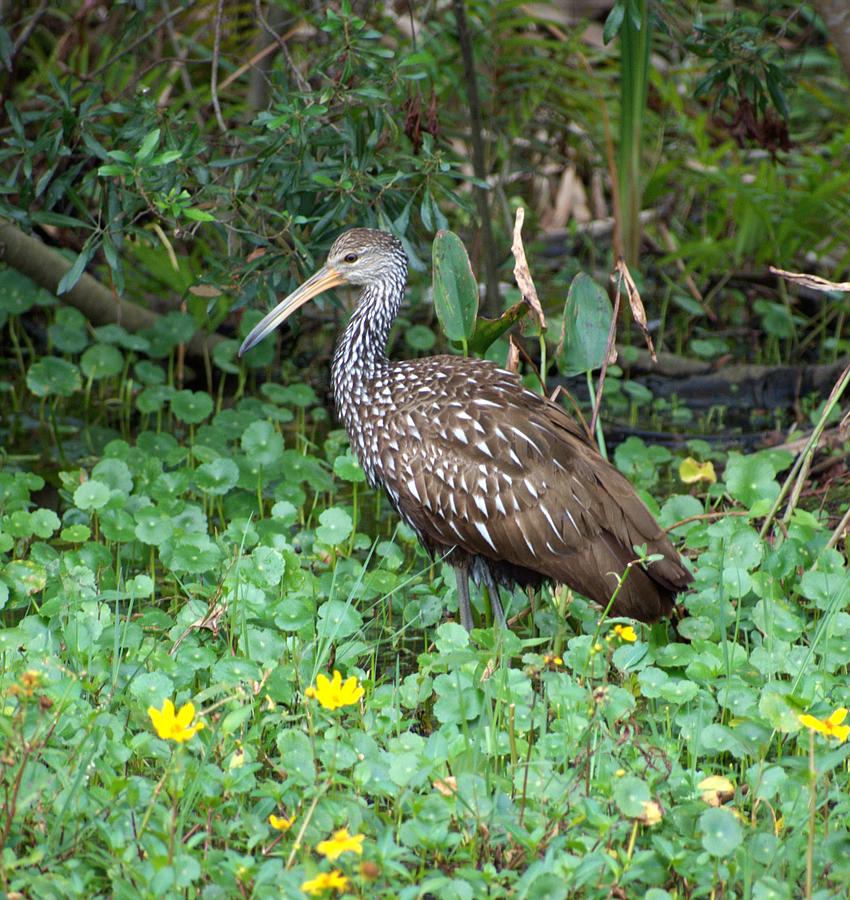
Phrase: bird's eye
pixel 350 257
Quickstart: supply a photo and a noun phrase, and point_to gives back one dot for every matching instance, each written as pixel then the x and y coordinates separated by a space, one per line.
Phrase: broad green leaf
pixel 455 287
pixel 587 321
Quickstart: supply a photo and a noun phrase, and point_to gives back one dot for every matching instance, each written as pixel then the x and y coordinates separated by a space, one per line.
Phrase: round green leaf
pixel 335 526
pixel 44 522
pixel 191 407
pixel 92 494
pixel 347 468
pixel 217 477
pixel 338 619
pixel 630 793
pixel 262 444
pixel 721 831
pixel 76 534
pixel 102 361
pixel 420 337
pixel 194 553
pixel 52 376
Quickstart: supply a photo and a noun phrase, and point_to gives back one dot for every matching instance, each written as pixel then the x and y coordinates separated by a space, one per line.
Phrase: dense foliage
pixel 188 551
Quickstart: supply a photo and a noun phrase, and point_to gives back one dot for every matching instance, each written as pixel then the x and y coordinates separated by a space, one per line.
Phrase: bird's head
pixel 361 256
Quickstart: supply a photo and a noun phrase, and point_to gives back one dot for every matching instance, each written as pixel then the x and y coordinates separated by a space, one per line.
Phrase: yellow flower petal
pixel 831 726
pixel 651 813
pixel 281 823
pixel 333 693
pixel 174 727
pixel 625 633
pixel 325 881
pixel 341 842
pixel 691 471
pixel 837 717
pixel 716 790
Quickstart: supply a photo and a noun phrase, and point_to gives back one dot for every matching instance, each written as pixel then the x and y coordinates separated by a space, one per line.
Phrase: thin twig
pixel 610 346
pixel 839 531
pixel 300 80
pixel 219 13
pixel 128 48
pixel 491 280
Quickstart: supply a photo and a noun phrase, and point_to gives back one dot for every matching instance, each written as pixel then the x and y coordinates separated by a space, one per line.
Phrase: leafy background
pixel 177 524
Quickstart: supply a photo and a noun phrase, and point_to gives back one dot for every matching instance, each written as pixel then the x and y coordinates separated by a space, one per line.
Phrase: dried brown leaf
pixel 204 290
pixel 522 273
pixel 812 281
pixel 622 276
pixel 512 363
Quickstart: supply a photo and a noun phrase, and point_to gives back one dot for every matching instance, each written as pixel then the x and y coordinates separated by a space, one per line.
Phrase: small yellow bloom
pixel 334 693
pixel 281 823
pixel 341 842
pixel 716 790
pixel 625 633
pixel 175 727
pixel 552 660
pixel 325 881
pixel 691 471
pixel 830 726
pixel 651 813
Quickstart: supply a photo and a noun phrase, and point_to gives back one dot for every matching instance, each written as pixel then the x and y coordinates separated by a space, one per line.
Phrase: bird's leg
pixel 495 602
pixel 462 574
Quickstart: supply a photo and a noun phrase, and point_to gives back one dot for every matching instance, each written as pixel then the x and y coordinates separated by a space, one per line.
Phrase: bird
pixel 496 479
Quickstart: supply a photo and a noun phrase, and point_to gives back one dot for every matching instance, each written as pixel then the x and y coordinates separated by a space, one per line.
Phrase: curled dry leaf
pixel 204 290
pixel 622 276
pixel 812 281
pixel 522 273
pixel 512 362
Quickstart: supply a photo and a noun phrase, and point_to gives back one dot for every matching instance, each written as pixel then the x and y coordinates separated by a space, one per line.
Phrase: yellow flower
pixel 830 726
pixel 334 693
pixel 325 881
pixel 175 727
pixel 625 633
pixel 691 471
pixel 716 790
pixel 281 823
pixel 552 660
pixel 651 813
pixel 340 843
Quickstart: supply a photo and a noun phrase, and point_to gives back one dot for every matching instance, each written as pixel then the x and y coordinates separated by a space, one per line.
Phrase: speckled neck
pixel 360 357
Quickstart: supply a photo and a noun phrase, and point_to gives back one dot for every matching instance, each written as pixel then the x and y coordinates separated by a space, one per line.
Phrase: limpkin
pixel 491 476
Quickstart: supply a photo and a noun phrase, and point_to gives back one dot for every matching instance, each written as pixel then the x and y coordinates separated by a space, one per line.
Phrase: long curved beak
pixel 323 280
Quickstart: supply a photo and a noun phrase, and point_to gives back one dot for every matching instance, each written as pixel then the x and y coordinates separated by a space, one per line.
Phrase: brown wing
pixel 474 460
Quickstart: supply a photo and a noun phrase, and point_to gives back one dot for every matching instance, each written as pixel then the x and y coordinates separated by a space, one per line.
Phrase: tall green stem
pixel 635 40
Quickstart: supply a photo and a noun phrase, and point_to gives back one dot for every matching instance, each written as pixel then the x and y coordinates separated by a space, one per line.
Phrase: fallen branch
pixel 96 302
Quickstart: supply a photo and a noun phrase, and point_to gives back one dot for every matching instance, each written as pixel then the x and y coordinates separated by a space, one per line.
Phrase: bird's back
pixel 475 462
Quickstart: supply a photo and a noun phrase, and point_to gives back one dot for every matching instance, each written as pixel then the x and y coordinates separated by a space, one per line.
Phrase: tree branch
pixel 46 267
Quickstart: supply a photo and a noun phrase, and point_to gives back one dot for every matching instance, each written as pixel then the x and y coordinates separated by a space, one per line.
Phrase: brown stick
pixel 46 267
